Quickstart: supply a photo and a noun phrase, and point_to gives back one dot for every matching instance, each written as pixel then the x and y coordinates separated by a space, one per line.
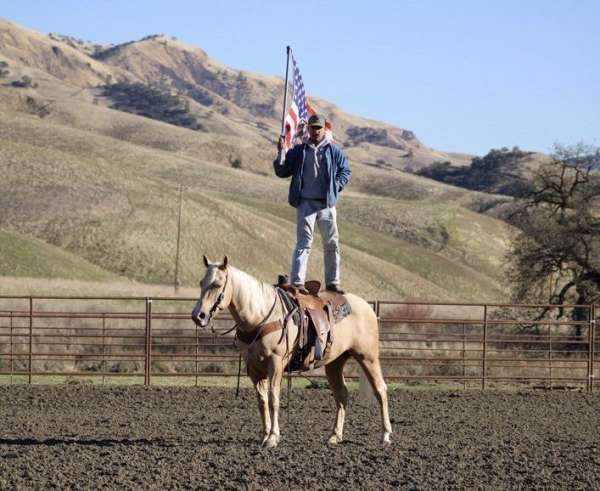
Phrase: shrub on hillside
pixel 236 162
pixel 24 83
pixel 265 110
pixel 151 102
pixel 199 94
pixel 4 71
pixel 376 136
pixel 32 106
pixel 497 172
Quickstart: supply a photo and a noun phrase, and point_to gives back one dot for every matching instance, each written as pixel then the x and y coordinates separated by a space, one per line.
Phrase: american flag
pixel 295 121
pixel 295 130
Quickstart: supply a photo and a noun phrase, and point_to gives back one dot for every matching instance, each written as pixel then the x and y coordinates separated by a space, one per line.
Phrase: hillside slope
pixel 102 184
pixel 115 204
pixel 24 256
pixel 227 101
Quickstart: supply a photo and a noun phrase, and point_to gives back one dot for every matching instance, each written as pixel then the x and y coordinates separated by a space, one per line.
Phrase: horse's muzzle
pixel 199 318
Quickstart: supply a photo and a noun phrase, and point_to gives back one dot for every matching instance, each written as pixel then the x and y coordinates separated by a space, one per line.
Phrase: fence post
pixel 377 309
pixel 464 370
pixel 591 342
pixel 30 337
pixel 196 357
pixel 148 354
pixel 12 363
pixel 483 358
pixel 103 364
pixel 550 354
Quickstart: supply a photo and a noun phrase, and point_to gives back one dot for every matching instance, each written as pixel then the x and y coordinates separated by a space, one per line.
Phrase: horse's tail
pixel 365 391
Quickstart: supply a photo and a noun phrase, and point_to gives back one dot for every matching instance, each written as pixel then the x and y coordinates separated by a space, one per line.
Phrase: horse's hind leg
pixel 372 369
pixel 335 376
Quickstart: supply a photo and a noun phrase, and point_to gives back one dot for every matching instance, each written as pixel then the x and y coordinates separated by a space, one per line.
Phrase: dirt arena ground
pixel 90 437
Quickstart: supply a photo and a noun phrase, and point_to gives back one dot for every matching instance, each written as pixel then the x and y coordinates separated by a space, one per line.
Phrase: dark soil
pixel 85 437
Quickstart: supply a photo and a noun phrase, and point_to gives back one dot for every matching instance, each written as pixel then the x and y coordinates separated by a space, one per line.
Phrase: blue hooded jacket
pixel 338 172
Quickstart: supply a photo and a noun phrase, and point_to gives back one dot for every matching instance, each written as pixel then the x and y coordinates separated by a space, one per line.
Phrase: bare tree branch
pixel 555 257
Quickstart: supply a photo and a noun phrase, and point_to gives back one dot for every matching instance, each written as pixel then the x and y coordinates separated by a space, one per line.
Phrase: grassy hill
pixel 100 185
pixel 115 203
pixel 224 100
pixel 24 256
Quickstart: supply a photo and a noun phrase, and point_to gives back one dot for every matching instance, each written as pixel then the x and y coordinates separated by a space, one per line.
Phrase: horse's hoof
pixel 264 441
pixel 271 442
pixel 386 439
pixel 334 439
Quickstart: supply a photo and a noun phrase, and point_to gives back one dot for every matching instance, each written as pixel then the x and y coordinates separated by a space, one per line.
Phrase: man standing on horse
pixel 319 171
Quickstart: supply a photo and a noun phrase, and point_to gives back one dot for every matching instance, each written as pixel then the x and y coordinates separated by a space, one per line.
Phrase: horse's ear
pixel 206 261
pixel 224 264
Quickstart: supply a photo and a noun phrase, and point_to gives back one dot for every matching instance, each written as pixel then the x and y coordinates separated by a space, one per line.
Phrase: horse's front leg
pixel 275 376
pixel 262 395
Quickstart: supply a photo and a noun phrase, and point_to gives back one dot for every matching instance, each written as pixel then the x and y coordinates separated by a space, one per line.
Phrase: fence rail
pixel 474 344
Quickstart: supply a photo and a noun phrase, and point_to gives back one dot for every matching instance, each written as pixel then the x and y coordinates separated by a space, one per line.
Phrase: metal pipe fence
pixel 476 345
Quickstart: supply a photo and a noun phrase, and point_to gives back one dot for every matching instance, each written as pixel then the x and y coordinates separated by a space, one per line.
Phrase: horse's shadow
pixel 112 442
pixel 95 442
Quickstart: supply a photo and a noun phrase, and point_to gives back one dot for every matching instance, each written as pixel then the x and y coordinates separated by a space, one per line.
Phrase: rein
pixel 259 327
pixel 217 305
pixel 262 329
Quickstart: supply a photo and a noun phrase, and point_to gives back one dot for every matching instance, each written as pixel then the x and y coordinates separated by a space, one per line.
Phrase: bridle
pixel 217 305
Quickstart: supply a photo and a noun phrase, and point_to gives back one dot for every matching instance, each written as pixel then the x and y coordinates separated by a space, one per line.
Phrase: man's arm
pixel 342 174
pixel 285 168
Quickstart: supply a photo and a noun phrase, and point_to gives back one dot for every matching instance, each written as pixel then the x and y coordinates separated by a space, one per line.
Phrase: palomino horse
pixel 254 304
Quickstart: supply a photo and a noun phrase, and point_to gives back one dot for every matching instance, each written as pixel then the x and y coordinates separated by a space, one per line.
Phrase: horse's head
pixel 214 294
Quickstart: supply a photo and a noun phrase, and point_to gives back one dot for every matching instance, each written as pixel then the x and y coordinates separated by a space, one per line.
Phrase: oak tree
pixel 555 256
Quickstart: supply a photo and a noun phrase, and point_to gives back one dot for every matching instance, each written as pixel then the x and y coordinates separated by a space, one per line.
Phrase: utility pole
pixel 176 279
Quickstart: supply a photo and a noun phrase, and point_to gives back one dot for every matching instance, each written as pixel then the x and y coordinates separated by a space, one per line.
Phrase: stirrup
pixel 300 288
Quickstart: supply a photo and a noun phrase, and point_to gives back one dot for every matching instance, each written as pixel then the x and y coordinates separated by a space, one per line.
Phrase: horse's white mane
pixel 253 298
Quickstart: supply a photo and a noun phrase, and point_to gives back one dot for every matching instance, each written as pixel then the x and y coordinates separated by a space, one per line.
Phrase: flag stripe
pixel 297 113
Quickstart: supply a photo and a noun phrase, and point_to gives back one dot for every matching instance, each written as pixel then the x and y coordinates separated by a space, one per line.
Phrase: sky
pixel 463 75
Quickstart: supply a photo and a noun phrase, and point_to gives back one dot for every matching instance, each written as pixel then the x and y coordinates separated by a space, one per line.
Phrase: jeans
pixel 309 211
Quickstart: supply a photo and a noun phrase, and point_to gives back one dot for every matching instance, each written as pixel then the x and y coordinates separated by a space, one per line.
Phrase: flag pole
pixel 285 92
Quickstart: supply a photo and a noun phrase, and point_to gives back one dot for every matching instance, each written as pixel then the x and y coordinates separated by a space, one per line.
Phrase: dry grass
pixel 26 256
pixel 65 287
pixel 114 204
pixel 437 342
pixel 101 185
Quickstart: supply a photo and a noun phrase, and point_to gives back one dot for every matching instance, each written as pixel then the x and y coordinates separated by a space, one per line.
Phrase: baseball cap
pixel 316 120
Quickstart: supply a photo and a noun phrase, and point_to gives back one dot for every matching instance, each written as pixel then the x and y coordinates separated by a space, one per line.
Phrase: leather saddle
pixel 316 316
